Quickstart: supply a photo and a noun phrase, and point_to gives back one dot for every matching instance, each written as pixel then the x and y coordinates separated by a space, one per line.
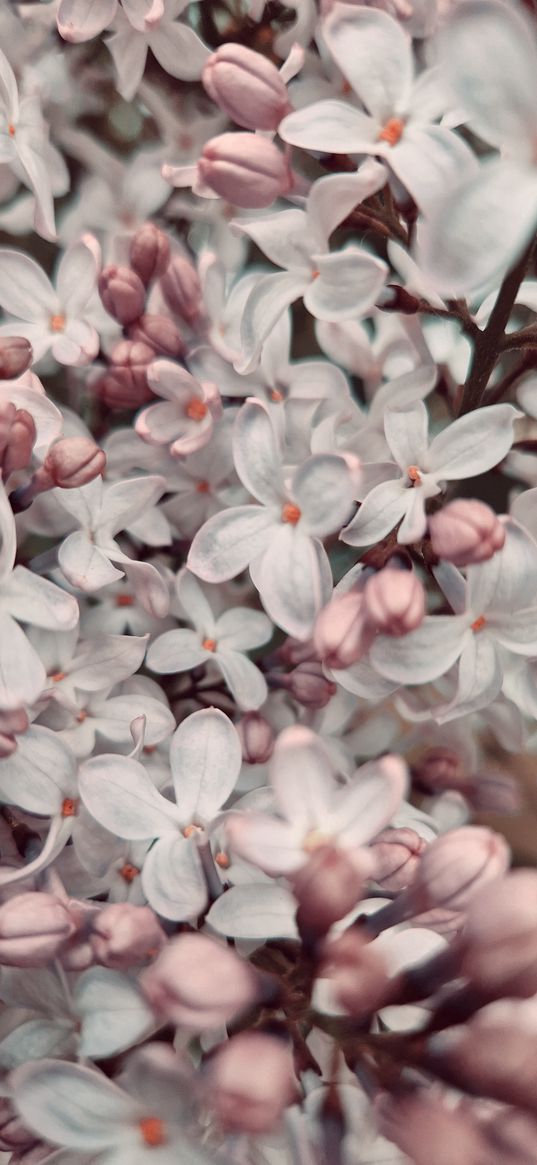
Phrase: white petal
pixel 112 1011
pixel 323 489
pixel 257 912
pixel 227 542
pixel 244 680
pixel 428 161
pixel 406 431
pixel 150 588
pixel 331 127
pixel 285 238
pixel 414 523
pixel 374 54
pixel 364 806
pixel 347 285
pixel 25 291
pixel 242 629
pixel 115 716
pixel 35 600
pixel 194 604
pixel 76 281
pixel 22 675
pixel 173 879
pixel 205 757
pixel 70 1105
pixel 480 676
pixel 125 500
pixel 331 199
pixel 106 660
pixel 425 654
pixel 119 794
pixel 180 52
pixel 40 774
pixel 176 651
pixel 84 565
pixel 80 20
pixel 129 52
pixel 380 511
pixel 474 443
pixel 265 304
pixel 256 452
pixel 8 535
pixel 302 779
pixel 291 580
pixel 35 161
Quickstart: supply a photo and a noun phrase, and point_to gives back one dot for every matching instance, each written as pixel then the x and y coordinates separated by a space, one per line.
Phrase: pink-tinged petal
pixel 84 565
pixel 194 604
pixel 414 523
pixel 176 651
pixel 374 54
pixel 380 511
pixel 242 629
pixel 173 880
pixel 113 1013
pixel 468 240
pixel 150 588
pixel 323 488
pixel 25 290
pixel 72 1106
pixel 489 58
pixel 364 806
pixel 35 162
pixel 172 382
pixel 80 20
pixel 244 680
pixel 77 345
pixel 40 774
pixel 272 846
pixel 8 535
pixel 346 285
pixel 161 423
pixel 291 580
pixel 129 52
pixel 257 455
pixel 332 127
pixel 265 304
pixel 205 758
pixel 180 52
pixel 428 161
pixel 254 912
pixel 228 542
pixel 120 795
pixel 38 601
pixel 285 238
pixel 22 675
pixel 406 431
pixel 331 199
pixel 302 778
pixel 425 654
pixel 141 13
pixel 474 443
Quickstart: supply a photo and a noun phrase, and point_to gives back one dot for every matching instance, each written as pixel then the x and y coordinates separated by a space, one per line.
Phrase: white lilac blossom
pixel 268 582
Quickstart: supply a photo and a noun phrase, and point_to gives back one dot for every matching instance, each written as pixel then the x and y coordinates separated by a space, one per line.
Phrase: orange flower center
pixel 190 829
pixel 153 1131
pixel 57 323
pixel 313 840
pixel 209 644
pixel 58 675
pixel 222 860
pixel 276 396
pixel 129 872
pixel 479 623
pixel 124 600
pixel 291 513
pixel 196 409
pixel 11 130
pixel 69 807
pixel 392 132
pixel 203 487
pixel 414 474
pixel 82 715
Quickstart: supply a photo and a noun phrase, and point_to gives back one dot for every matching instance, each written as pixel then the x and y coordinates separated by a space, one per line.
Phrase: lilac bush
pixel 268 581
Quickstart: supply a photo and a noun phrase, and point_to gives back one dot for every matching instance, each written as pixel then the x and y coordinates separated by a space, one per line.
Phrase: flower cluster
pixel 268 581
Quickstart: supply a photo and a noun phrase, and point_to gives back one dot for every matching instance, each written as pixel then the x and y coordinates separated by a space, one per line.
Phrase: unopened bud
pixel 440 769
pixel 74 461
pixel 326 888
pixel 17 436
pixel 158 332
pixel 181 289
pixel 12 723
pixel 122 293
pixel 466 531
pixel 149 253
pixel 33 929
pixel 247 170
pixel 124 385
pixel 199 984
pixel 358 974
pixel 309 685
pixel 124 935
pixel 426 1129
pixel 342 634
pixel 396 853
pixel 16 356
pixel 395 601
pixel 246 86
pixel 256 737
pixel 13 1134
pixel 250 1082
pixel 498 943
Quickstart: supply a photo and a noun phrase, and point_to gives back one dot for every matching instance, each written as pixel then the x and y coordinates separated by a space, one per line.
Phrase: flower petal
pixel 205 758
pixel 374 54
pixel 381 510
pixel 119 794
pixel 228 541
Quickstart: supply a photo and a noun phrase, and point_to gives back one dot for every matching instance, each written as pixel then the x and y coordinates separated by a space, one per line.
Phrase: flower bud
pixel 247 170
pixel 428 1130
pixel 308 684
pixel 33 928
pixel 396 853
pixel 12 723
pixel 124 935
pixel 246 86
pixel 158 332
pixel 342 634
pixel 16 356
pixel 13 1134
pixel 181 289
pixel 438 770
pixel 149 253
pixel 256 737
pixel 122 293
pixel 466 531
pixel 250 1082
pixel 357 973
pixel 394 601
pixel 498 943
pixel 17 436
pixel 326 888
pixel 74 461
pixel 124 385
pixel 199 984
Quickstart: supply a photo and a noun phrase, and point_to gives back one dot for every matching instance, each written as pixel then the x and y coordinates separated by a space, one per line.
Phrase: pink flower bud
pixel 466 531
pixel 13 1134
pixel 124 385
pixel 342 634
pixel 199 984
pixel 149 253
pixel 396 853
pixel 33 928
pixel 499 939
pixel 246 86
pixel 357 972
pixel 16 356
pixel 159 333
pixel 124 935
pixel 17 436
pixel 309 685
pixel 439 769
pixel 326 888
pixel 12 723
pixel 250 1082
pixel 493 1055
pixel 122 293
pixel 395 601
pixel 247 170
pixel 74 461
pixel 181 289
pixel 426 1129
pixel 256 737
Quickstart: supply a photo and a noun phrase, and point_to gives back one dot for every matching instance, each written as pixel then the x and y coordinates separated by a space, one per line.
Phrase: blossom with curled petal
pixel 184 420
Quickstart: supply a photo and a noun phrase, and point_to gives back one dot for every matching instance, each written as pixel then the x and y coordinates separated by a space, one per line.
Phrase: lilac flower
pixel 52 318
